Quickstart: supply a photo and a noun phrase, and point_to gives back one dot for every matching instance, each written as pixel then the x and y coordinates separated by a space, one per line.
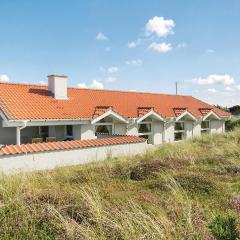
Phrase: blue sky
pixel 144 45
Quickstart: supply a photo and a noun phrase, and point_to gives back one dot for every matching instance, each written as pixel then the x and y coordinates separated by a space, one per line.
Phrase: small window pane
pixel 104 129
pixel 144 128
pixel 44 131
pixel 69 130
pixel 178 136
pixel 179 126
pixel 205 124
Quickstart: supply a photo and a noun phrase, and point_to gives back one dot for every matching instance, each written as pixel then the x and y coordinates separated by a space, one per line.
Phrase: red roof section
pixel 22 101
pixel 57 146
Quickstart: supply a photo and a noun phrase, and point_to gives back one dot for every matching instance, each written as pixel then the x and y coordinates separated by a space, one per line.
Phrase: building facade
pixel 55 112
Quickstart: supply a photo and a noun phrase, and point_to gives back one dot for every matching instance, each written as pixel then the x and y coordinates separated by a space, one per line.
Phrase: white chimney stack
pixel 57 84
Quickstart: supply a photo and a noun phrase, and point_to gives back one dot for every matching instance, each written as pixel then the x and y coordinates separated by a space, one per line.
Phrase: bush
pixel 196 183
pixel 231 124
pixel 224 227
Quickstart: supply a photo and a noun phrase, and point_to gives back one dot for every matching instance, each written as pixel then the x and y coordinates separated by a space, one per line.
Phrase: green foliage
pixel 224 227
pixel 232 123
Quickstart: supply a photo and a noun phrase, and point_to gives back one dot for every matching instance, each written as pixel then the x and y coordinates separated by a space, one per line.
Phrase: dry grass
pixel 170 193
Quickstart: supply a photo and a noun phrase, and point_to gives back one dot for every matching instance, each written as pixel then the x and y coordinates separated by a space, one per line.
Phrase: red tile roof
pixel 179 111
pixel 56 146
pixel 22 101
pixel 142 111
pixel 99 110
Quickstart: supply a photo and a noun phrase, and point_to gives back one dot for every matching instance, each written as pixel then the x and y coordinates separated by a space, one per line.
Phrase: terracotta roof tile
pixel 38 104
pixel 54 146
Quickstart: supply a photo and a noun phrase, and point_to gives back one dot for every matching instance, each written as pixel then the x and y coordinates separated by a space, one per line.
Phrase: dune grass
pixel 170 193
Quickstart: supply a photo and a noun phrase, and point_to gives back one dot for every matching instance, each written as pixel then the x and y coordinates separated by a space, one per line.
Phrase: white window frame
pixel 179 131
pixel 208 130
pixel 147 133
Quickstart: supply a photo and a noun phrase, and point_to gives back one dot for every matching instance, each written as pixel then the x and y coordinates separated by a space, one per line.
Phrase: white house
pixel 55 112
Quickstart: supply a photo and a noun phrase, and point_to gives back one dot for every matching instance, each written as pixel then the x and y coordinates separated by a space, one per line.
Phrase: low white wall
pixel 49 160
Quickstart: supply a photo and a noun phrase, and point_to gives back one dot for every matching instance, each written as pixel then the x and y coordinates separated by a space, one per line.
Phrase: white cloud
pixel 112 69
pixel 135 62
pixel 182 45
pixel 42 82
pixel 4 78
pixel 215 79
pixel 110 80
pixel 160 26
pixel 212 90
pixel 230 89
pixel 94 85
pixel 161 47
pixel 101 37
pixel 82 85
pixel 238 87
pixel 132 45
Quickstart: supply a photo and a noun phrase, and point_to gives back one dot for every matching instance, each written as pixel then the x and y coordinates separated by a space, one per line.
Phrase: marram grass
pixel 169 193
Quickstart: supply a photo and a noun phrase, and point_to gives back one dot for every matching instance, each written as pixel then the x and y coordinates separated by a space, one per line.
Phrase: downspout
pixel 19 132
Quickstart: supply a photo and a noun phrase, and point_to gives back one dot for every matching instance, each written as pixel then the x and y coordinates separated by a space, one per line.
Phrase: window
pixel 179 131
pixel 205 127
pixel 43 132
pixel 103 129
pixel 145 131
pixel 69 130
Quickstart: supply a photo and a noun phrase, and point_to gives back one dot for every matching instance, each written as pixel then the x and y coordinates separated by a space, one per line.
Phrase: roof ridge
pixel 92 89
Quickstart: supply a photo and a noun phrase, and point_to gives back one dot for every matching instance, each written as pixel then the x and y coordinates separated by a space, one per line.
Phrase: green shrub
pixel 196 183
pixel 231 124
pixel 224 227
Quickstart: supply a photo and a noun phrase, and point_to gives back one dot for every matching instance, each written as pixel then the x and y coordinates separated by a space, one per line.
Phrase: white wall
pixel 120 128
pixel 189 129
pixel 217 126
pixel 50 160
pixel 157 130
pixel 132 128
pixel 197 129
pixel 169 132
pixel 87 131
pixel 76 132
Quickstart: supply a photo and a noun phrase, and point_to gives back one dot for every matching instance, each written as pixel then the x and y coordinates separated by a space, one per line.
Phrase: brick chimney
pixel 57 85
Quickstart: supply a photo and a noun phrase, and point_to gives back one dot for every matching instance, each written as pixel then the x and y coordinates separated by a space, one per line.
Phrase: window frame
pixel 148 135
pixel 104 124
pixel 182 131
pixel 206 130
